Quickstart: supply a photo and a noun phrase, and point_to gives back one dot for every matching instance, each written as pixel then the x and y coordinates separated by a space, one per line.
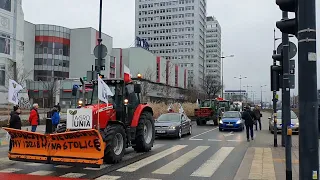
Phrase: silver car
pixel 294 122
pixel 173 124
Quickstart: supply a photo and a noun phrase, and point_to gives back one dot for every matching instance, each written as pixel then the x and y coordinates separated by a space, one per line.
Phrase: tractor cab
pixel 125 99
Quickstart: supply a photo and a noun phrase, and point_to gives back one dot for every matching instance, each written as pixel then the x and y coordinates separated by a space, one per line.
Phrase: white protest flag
pixel 103 90
pixel 14 89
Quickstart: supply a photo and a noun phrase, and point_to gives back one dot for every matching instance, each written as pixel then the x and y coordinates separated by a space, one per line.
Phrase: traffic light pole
pixel 308 105
pixel 100 39
pixel 274 100
pixel 286 111
pixel 283 128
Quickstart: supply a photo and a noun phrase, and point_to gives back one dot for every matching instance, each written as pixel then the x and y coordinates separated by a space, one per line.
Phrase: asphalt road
pixel 206 154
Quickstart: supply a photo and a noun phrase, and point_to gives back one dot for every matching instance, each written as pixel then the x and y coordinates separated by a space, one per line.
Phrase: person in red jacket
pixel 34 117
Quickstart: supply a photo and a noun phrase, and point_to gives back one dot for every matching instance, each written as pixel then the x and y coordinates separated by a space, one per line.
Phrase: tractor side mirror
pixel 137 88
pixel 269 118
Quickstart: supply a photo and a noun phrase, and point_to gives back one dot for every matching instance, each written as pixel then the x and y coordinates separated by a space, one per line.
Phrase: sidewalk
pixel 263 161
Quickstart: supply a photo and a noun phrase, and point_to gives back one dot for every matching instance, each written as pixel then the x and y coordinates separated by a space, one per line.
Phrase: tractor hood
pixel 106 112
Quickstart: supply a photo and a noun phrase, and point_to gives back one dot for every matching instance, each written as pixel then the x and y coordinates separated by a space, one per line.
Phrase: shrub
pixel 160 108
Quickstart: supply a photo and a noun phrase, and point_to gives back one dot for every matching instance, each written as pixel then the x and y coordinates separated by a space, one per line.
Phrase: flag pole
pixel 98 114
pixel 8 113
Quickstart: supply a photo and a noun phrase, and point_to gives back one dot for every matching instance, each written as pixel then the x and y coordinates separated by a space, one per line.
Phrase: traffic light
pixel 288 26
pixel 276 72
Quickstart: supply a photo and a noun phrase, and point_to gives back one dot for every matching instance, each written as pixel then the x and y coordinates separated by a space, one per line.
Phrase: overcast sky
pixel 247 31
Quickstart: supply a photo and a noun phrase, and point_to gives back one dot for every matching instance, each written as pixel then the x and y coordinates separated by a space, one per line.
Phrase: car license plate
pixel 159 131
pixel 229 124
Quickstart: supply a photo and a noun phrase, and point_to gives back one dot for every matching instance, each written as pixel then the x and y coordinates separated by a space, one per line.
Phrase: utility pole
pixel 261 100
pixel 308 105
pixel 100 39
pixel 222 59
pixel 240 78
pixel 247 86
pixel 274 96
pixel 286 110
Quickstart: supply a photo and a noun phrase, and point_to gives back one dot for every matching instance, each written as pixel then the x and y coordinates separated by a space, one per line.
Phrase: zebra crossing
pixel 204 160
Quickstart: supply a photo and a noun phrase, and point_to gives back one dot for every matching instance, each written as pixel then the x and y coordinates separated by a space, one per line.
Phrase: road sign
pixel 292 49
pixel 84 78
pixel 103 49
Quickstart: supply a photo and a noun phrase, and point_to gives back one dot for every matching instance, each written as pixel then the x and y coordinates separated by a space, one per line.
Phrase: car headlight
pixel 238 122
pixel 172 127
pixel 220 122
pixel 297 124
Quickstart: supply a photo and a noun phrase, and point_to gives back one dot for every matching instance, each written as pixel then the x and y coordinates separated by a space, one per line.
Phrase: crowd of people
pixel 34 118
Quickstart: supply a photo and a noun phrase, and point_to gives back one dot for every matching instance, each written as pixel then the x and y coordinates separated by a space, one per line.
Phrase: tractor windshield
pixel 207 103
pixel 94 97
pixel 224 104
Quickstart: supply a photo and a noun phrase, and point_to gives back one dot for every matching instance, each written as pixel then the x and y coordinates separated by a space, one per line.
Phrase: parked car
pixel 231 120
pixel 294 122
pixel 173 124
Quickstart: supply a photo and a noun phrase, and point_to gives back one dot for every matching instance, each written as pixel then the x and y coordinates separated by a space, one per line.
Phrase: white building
pixel 213 48
pixel 175 29
pixel 11 45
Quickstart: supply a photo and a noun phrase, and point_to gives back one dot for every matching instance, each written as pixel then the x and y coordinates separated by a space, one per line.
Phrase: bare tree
pixel 147 87
pixel 17 72
pixel 211 86
pixel 167 75
pixel 51 89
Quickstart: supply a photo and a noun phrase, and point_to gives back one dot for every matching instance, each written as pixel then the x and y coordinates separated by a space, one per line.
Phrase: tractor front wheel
pixel 115 138
pixel 145 133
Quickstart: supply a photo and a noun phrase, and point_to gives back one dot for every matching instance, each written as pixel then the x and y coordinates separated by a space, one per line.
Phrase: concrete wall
pixel 181 79
pixel 29 45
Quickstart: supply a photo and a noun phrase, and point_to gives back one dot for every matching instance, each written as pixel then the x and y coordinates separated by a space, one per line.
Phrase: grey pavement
pixel 206 154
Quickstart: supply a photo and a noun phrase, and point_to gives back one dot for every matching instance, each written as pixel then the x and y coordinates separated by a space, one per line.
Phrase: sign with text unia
pixel 79 118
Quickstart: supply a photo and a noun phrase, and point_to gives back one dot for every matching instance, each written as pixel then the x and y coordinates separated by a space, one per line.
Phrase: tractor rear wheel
pixel 145 133
pixel 115 138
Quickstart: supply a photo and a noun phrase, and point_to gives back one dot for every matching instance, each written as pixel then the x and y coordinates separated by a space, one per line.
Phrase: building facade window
pixel 2 74
pixel 5 43
pixel 6 5
pixel 52 52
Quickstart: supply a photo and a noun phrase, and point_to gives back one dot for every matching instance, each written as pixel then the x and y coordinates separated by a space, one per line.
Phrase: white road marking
pixel 218 140
pixel 181 161
pixel 149 179
pixel 96 169
pixel 229 134
pixel 41 173
pixel 196 139
pixel 211 165
pixel 203 133
pixel 34 164
pixel 234 140
pixel 10 170
pixel 73 175
pixel 63 166
pixel 106 177
pixel 139 164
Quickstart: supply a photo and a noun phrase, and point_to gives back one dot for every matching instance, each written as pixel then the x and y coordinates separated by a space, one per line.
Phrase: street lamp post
pixel 240 78
pixel 261 94
pixel 247 86
pixel 223 57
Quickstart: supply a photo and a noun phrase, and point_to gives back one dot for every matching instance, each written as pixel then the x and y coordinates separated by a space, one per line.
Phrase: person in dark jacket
pixel 15 121
pixel 257 114
pixel 55 118
pixel 249 118
pixel 58 107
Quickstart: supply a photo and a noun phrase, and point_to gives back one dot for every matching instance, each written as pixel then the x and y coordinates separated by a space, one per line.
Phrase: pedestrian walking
pixel 55 118
pixel 249 118
pixel 59 107
pixel 15 121
pixel 257 114
pixel 34 117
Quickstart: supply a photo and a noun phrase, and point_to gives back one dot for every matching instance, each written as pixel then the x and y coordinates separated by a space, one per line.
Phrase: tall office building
pixel 213 48
pixel 175 29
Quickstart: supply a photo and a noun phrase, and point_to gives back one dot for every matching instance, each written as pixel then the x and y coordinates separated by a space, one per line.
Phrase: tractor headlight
pixel 297 124
pixel 125 102
pixel 238 122
pixel 172 127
